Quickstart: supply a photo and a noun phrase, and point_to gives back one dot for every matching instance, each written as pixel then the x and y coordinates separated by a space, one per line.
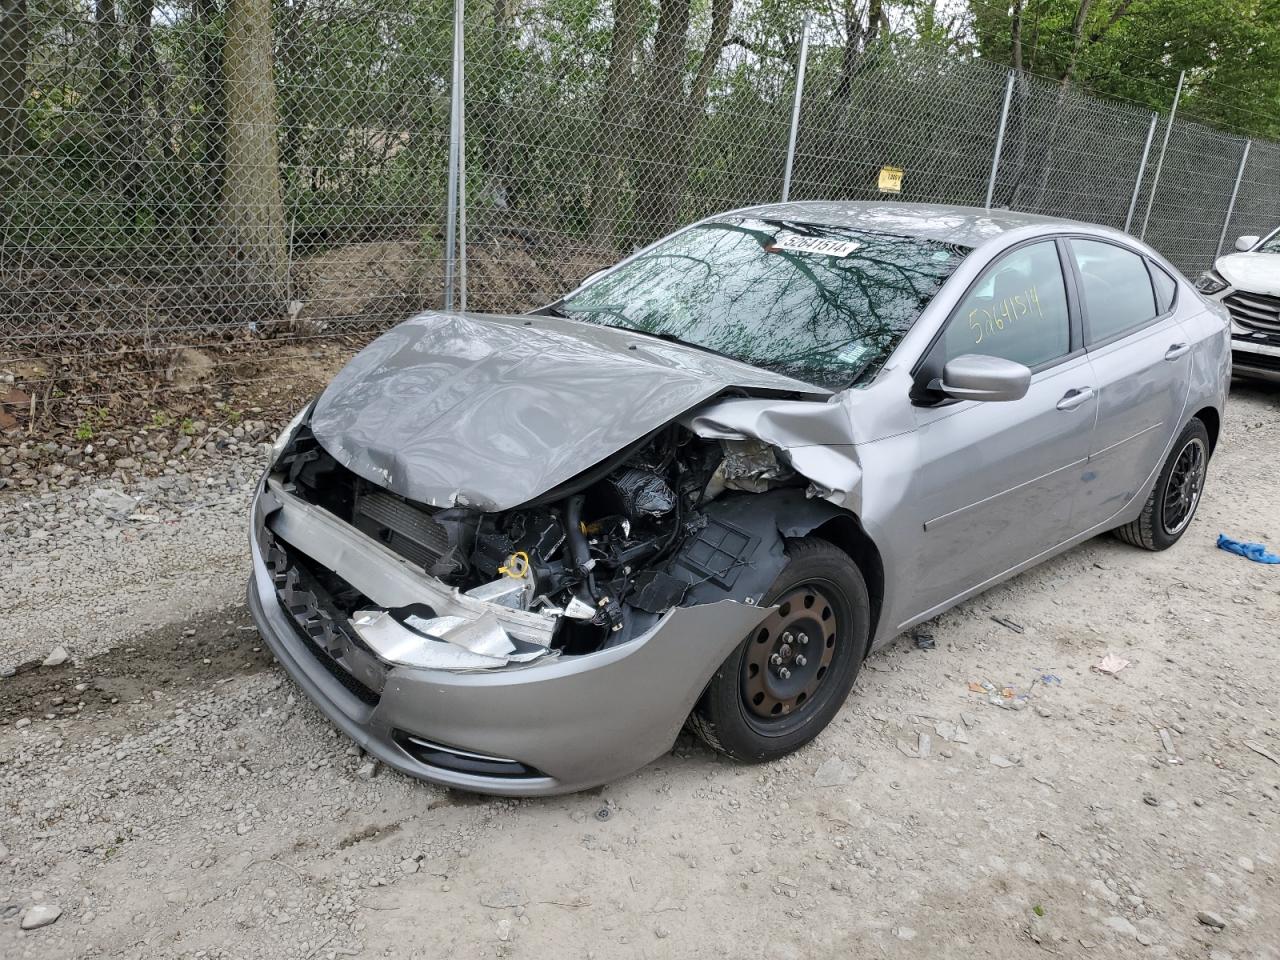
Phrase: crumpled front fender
pixel 817 439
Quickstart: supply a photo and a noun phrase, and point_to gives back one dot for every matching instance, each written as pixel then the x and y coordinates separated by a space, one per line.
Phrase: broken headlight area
pixel 598 559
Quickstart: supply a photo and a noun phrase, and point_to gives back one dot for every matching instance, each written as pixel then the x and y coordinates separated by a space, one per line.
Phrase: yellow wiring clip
pixel 517 566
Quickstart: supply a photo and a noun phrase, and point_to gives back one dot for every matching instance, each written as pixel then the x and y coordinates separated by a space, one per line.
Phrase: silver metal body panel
pixel 489 411
pixel 955 498
pixel 581 721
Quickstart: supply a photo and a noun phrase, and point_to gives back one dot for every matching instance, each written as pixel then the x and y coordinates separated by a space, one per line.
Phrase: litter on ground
pixel 1257 552
pixel 1111 664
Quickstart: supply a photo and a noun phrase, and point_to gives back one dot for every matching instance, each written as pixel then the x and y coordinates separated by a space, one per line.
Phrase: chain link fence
pixel 243 176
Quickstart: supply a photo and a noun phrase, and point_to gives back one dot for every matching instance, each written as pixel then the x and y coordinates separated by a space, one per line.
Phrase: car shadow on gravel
pixel 213 647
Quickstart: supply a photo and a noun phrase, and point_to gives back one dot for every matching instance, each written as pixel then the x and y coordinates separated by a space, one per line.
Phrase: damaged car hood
pixel 491 411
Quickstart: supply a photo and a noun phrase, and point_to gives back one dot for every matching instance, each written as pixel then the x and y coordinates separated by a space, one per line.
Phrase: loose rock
pixel 40 915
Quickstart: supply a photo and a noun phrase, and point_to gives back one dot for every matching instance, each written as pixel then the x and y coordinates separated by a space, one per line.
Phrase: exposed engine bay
pixel 603 555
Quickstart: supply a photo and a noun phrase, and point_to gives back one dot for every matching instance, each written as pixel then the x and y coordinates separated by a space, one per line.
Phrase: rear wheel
pixel 1176 494
pixel 790 676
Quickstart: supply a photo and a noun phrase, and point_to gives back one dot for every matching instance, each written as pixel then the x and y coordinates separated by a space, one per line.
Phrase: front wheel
pixel 790 676
pixel 1173 500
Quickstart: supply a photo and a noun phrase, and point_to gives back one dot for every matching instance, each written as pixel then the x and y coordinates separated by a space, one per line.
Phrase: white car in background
pixel 1248 284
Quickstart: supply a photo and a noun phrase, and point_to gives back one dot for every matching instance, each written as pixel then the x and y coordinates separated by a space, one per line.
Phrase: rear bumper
pixel 553 726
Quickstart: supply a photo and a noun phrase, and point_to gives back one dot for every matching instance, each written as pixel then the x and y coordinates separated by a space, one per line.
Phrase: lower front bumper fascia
pixel 579 721
pixel 1254 358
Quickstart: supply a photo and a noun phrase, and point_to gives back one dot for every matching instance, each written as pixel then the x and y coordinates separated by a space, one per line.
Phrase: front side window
pixel 1270 245
pixel 1017 310
pixel 1116 289
pixel 826 305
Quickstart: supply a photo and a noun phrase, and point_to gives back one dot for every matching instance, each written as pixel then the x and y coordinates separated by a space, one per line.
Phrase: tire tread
pixel 1141 531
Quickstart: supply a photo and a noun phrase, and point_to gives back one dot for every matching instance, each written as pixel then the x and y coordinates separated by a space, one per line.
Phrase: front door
pixel 996 481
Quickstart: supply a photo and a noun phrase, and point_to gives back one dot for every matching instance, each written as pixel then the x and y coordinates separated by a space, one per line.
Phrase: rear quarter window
pixel 1166 287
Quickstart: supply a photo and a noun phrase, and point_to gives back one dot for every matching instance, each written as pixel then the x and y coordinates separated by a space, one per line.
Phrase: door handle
pixel 1177 350
pixel 1074 398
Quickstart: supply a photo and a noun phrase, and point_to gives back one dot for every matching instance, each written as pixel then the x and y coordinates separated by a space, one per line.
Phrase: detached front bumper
pixel 552 726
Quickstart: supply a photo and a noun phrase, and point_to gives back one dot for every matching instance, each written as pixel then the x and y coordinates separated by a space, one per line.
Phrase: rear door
pixel 997 482
pixel 1141 356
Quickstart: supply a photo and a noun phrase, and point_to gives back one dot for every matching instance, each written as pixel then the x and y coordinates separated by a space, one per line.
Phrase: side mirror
pixel 1247 242
pixel 977 377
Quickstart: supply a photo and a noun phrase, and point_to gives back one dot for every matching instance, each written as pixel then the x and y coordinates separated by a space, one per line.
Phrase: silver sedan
pixel 516 554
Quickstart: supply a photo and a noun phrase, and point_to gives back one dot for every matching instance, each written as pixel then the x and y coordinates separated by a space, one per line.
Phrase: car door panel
pixel 1143 384
pixel 1142 363
pixel 997 482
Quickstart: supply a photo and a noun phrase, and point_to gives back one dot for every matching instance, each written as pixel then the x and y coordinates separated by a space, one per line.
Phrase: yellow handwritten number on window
pixel 1003 316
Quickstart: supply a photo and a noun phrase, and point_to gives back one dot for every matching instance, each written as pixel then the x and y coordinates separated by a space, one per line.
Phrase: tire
pixel 744 712
pixel 1157 527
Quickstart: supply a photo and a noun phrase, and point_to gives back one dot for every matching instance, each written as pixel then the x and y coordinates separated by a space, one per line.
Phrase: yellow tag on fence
pixel 891 179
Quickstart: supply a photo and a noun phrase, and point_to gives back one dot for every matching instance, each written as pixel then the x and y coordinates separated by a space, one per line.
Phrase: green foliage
pixel 1135 49
pixel 363 95
pixel 86 429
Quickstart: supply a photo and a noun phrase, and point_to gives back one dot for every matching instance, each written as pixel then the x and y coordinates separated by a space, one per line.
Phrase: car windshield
pixel 823 304
pixel 1270 245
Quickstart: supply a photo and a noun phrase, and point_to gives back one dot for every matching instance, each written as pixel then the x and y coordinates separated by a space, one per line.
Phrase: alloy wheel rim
pixel 790 653
pixel 1182 492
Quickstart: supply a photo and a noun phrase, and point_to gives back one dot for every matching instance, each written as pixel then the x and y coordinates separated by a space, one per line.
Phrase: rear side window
pixel 1017 310
pixel 1116 289
pixel 1165 286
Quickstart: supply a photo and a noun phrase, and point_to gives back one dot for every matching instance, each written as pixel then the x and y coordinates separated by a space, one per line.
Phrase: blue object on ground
pixel 1257 552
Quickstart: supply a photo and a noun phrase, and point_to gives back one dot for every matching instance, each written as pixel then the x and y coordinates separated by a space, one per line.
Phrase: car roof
pixel 966 226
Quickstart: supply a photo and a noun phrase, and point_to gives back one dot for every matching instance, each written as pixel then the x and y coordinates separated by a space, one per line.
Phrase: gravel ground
pixel 165 791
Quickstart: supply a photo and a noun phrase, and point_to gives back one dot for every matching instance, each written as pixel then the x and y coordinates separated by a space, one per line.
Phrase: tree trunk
pixel 105 100
pixel 855 36
pixel 134 127
pixel 1015 37
pixel 656 138
pixel 251 223
pixel 1017 132
pixel 615 110
pixel 205 175
pixel 15 47
pixel 674 121
pixel 875 17
pixel 1077 41
pixel 292 36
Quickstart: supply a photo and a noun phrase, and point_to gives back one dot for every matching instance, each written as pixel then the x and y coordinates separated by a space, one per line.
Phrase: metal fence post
pixel 462 177
pixel 995 157
pixel 1155 180
pixel 1142 169
pixel 455 159
pixel 795 109
pixel 1231 204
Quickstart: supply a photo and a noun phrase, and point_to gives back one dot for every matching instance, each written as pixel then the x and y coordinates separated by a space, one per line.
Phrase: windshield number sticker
pixel 819 246
pixel 984 322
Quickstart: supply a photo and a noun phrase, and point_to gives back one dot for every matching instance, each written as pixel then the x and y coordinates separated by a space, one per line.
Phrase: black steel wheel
pixel 790 654
pixel 789 677
pixel 1172 503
